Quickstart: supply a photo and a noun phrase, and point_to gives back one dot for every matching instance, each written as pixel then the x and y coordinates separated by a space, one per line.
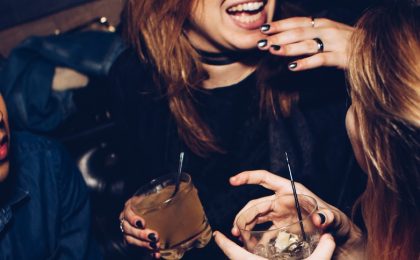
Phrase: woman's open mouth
pixel 249 15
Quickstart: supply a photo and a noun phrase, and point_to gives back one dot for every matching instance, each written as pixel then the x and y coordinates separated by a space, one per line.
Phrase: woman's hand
pixel 323 251
pixel 135 231
pixel 348 236
pixel 303 36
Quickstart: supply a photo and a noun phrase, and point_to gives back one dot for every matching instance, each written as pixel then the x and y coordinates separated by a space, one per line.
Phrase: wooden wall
pixel 61 22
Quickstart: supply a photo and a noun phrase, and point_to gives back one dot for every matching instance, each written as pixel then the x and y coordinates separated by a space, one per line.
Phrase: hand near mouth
pixel 322 42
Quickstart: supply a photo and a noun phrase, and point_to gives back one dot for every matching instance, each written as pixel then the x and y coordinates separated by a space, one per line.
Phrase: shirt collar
pixel 16 197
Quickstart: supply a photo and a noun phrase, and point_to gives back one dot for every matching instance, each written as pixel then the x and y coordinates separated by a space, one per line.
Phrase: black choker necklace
pixel 221 58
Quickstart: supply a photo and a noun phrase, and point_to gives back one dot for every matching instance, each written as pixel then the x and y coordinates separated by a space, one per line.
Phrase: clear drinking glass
pixel 272 229
pixel 180 220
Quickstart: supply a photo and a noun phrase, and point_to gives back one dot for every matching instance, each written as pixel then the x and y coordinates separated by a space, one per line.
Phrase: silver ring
pixel 121 225
pixel 312 22
pixel 320 44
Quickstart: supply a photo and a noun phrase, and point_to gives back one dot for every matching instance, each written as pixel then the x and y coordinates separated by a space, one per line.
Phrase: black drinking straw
pixel 296 199
pixel 178 176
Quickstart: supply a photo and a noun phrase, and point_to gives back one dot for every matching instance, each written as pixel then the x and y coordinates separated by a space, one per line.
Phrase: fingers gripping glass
pixel 178 218
pixel 272 228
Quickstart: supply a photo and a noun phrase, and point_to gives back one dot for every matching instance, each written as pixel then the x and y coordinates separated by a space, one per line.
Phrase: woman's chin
pixel 249 41
pixel 4 170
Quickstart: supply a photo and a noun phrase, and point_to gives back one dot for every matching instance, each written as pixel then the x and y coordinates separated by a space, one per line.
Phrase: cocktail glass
pixel 180 220
pixel 272 229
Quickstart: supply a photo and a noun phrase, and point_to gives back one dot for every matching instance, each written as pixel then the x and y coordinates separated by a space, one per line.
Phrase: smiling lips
pixel 246 13
pixel 4 148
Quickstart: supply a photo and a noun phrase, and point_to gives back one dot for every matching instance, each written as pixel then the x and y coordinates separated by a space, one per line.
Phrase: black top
pixel 314 136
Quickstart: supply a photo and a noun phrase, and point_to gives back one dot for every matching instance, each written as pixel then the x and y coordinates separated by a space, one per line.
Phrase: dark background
pixel 14 12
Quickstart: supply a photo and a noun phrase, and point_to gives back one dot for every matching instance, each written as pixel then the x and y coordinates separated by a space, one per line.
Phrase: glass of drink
pixel 179 220
pixel 272 229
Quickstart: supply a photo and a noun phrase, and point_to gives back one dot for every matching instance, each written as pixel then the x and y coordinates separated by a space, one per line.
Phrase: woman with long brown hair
pixel 213 79
pixel 384 128
pixel 384 125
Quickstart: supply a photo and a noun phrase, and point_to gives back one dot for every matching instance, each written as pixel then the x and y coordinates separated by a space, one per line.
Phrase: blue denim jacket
pixel 26 76
pixel 44 205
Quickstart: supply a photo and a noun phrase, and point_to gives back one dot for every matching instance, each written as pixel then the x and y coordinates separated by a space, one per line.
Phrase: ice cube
pixel 272 250
pixel 299 249
pixel 260 250
pixel 282 240
pixel 293 238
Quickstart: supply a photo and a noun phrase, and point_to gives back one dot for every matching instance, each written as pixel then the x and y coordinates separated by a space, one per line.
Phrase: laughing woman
pixel 212 78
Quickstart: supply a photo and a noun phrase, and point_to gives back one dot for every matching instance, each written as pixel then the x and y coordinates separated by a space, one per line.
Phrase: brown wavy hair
pixel 155 29
pixel 384 74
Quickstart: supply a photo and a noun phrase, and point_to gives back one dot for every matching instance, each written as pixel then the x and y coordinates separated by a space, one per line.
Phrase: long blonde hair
pixel 384 74
pixel 155 28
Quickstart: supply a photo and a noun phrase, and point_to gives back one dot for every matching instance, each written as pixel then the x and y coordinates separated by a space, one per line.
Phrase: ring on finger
pixel 122 225
pixel 320 44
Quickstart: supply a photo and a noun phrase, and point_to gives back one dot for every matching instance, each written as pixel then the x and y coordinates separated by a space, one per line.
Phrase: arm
pixel 75 240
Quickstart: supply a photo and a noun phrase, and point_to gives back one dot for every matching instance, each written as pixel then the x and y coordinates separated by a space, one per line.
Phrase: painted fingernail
pixel 292 65
pixel 153 245
pixel 152 236
pixel 322 217
pixel 265 27
pixel 262 43
pixel 139 224
pixel 275 47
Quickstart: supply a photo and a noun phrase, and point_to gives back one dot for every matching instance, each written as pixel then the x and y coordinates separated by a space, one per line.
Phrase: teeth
pixel 247 18
pixel 246 7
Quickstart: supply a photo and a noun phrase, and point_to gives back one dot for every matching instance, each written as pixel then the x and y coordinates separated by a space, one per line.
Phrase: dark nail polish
pixel 265 27
pixel 322 217
pixel 139 224
pixel 152 236
pixel 275 47
pixel 153 245
pixel 262 43
pixel 292 65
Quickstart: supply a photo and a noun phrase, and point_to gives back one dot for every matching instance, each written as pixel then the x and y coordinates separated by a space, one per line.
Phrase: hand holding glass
pixel 271 229
pixel 179 220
